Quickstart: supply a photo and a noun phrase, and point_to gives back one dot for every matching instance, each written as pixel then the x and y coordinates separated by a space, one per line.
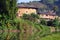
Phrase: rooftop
pixel 49 13
pixel 34 4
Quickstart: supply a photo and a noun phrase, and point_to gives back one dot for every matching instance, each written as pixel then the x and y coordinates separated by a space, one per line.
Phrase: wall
pixel 21 11
pixel 47 16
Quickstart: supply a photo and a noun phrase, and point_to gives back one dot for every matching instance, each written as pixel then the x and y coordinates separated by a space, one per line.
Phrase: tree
pixel 55 8
pixel 32 17
pixel 49 23
pixel 56 22
pixel 35 16
pixel 49 1
pixel 8 8
pixel 43 22
pixel 26 16
pixel 13 8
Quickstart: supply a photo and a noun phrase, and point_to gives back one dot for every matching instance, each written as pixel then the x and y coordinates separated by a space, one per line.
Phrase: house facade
pixel 26 9
pixel 50 15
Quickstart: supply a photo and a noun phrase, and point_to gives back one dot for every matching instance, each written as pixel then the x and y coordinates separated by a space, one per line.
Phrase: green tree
pixel 26 16
pixel 49 1
pixel 35 16
pixel 13 8
pixel 43 22
pixel 55 8
pixel 56 22
pixel 8 8
pixel 32 17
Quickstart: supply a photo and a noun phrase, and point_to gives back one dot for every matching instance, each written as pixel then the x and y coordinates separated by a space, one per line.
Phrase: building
pixel 28 8
pixel 25 9
pixel 50 15
pixel 37 8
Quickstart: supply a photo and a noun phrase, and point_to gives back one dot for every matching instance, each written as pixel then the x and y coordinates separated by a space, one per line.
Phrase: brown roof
pixel 26 5
pixel 48 13
pixel 38 4
pixel 33 4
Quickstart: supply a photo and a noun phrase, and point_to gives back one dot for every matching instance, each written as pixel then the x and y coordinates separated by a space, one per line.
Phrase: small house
pixel 25 9
pixel 50 15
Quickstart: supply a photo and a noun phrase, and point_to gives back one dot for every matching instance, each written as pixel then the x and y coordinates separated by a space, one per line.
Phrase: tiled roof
pixel 26 5
pixel 32 4
pixel 48 13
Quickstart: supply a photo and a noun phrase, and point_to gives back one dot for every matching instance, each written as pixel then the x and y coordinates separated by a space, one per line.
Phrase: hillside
pixel 52 4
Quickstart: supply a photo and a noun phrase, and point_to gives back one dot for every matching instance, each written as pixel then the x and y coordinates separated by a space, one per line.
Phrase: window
pixel 19 11
pixel 42 15
pixel 26 11
pixel 46 15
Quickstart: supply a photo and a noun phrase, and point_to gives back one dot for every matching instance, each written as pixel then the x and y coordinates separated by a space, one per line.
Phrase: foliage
pixel 43 22
pixel 49 1
pixel 26 16
pixel 55 8
pixel 35 15
pixel 8 8
pixel 7 13
pixel 35 28
pixel 32 17
pixel 55 22
pixel 51 37
pixel 59 25
pixel 50 23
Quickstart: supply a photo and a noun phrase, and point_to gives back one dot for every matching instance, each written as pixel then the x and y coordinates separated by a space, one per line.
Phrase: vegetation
pixel 52 37
pixel 32 17
pixel 43 22
pixel 28 24
pixel 7 13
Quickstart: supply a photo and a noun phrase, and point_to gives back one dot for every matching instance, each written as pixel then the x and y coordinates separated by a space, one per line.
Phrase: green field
pixel 36 31
pixel 30 31
pixel 55 36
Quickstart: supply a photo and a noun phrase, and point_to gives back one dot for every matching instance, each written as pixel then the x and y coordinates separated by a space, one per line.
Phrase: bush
pixel 32 17
pixel 43 22
pixel 56 22
pixel 49 23
pixel 26 16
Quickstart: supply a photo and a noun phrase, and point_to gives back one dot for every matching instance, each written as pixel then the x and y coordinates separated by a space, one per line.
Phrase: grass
pixel 31 29
pixel 55 36
pixel 40 32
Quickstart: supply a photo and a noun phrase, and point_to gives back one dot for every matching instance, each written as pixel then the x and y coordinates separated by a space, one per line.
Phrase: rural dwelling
pixel 50 15
pixel 25 9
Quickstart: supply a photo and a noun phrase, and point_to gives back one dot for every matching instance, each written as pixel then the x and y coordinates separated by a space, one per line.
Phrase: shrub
pixel 43 22
pixel 35 16
pixel 56 22
pixel 49 23
pixel 26 16
pixel 32 17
